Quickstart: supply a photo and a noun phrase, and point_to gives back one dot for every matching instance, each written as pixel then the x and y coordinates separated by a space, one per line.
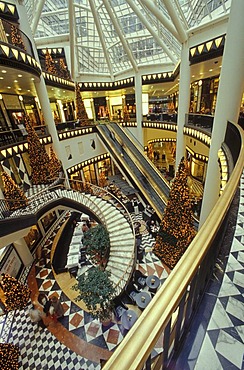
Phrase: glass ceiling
pixel 115 36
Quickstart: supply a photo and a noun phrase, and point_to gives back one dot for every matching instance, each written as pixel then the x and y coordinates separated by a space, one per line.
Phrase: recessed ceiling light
pixel 15 80
pixel 28 90
pixel 32 79
pixel 9 87
pixel 19 89
pixel 3 71
pixel 20 76
pixel 201 73
pixel 1 78
pixel 210 70
pixel 193 76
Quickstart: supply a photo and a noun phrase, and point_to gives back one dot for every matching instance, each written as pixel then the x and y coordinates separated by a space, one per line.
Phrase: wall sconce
pixel 1 97
pixel 200 83
pixel 21 98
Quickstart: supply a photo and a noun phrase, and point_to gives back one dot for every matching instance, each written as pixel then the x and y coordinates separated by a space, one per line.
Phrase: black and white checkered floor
pixel 219 338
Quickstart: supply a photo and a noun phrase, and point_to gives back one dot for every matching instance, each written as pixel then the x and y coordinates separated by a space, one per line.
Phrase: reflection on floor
pixel 79 342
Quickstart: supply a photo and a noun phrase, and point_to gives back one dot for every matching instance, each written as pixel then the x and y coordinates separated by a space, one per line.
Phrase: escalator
pixel 136 167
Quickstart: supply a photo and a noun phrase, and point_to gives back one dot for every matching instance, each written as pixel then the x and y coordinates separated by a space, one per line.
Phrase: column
pixel 23 251
pixel 138 98
pixel 228 102
pixel 40 86
pixel 184 102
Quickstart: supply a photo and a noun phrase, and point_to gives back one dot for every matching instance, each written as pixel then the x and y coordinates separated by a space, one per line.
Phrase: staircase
pixel 105 208
pixel 122 240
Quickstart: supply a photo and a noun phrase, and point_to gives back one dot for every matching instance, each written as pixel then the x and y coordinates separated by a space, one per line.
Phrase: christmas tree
pixel 50 65
pixel 39 159
pixel 16 295
pixel 9 356
pixel 176 229
pixel 64 73
pixel 126 114
pixel 16 38
pixel 55 165
pixel 14 196
pixel 81 114
pixel 102 180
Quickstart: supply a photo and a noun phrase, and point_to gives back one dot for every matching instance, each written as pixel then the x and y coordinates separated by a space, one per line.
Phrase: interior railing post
pixel 166 343
pixel 178 329
pixel 190 300
pixel 148 363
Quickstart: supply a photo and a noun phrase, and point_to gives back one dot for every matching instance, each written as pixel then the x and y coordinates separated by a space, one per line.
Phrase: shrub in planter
pixel 96 240
pixel 97 291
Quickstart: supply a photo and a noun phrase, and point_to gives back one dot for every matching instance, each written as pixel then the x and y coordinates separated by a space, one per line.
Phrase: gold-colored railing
pixel 169 313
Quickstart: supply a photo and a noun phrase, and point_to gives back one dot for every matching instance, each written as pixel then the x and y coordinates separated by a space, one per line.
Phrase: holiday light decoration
pixel 16 38
pixel 81 114
pixel 49 63
pixel 39 159
pixel 176 229
pixel 9 356
pixel 55 165
pixel 16 295
pixel 14 196
pixel 63 70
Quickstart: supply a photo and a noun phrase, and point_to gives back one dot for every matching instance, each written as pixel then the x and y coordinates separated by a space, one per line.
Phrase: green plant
pixel 96 240
pixel 97 291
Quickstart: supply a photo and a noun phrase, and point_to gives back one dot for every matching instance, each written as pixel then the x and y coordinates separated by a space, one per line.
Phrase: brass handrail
pixel 136 347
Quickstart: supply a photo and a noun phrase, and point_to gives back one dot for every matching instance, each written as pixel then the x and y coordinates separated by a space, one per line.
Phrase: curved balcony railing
pixel 170 313
pixel 18 135
pixel 11 35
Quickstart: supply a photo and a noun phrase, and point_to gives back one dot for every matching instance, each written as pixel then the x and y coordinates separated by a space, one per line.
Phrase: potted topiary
pixel 96 241
pixel 97 291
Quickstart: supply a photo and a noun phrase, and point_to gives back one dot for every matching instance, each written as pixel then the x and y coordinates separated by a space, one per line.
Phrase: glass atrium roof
pixel 110 37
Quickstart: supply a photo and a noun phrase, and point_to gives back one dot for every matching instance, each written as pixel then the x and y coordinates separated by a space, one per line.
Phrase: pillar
pixel 228 102
pixel 184 101
pixel 40 86
pixel 23 251
pixel 138 98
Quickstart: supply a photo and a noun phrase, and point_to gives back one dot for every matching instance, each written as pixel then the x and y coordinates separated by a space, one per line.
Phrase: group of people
pixel 51 307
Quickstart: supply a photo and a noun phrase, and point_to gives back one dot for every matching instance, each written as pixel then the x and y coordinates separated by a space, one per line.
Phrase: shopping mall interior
pixel 121 187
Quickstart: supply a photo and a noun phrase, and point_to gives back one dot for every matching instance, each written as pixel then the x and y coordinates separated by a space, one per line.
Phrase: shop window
pixel 33 237
pixel 48 220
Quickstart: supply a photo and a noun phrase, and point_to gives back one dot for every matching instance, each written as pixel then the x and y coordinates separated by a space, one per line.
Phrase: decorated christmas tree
pixel 55 165
pixel 16 295
pixel 14 196
pixel 49 63
pixel 126 114
pixel 9 356
pixel 176 229
pixel 81 114
pixel 39 159
pixel 16 38
pixel 64 73
pixel 102 180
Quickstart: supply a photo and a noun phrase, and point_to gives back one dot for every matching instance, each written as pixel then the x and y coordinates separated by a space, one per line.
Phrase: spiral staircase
pixel 106 209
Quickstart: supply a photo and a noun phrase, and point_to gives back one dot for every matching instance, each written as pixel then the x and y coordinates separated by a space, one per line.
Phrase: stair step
pixel 120 254
pixel 121 245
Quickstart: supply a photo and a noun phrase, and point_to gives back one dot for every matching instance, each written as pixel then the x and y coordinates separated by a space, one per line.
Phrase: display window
pixel 33 237
pixel 48 220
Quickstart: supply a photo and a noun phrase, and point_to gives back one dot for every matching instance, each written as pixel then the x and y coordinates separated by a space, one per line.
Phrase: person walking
pixel 56 307
pixel 36 316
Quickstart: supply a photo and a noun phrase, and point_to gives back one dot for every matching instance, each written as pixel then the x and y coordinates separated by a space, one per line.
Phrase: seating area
pixel 137 295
